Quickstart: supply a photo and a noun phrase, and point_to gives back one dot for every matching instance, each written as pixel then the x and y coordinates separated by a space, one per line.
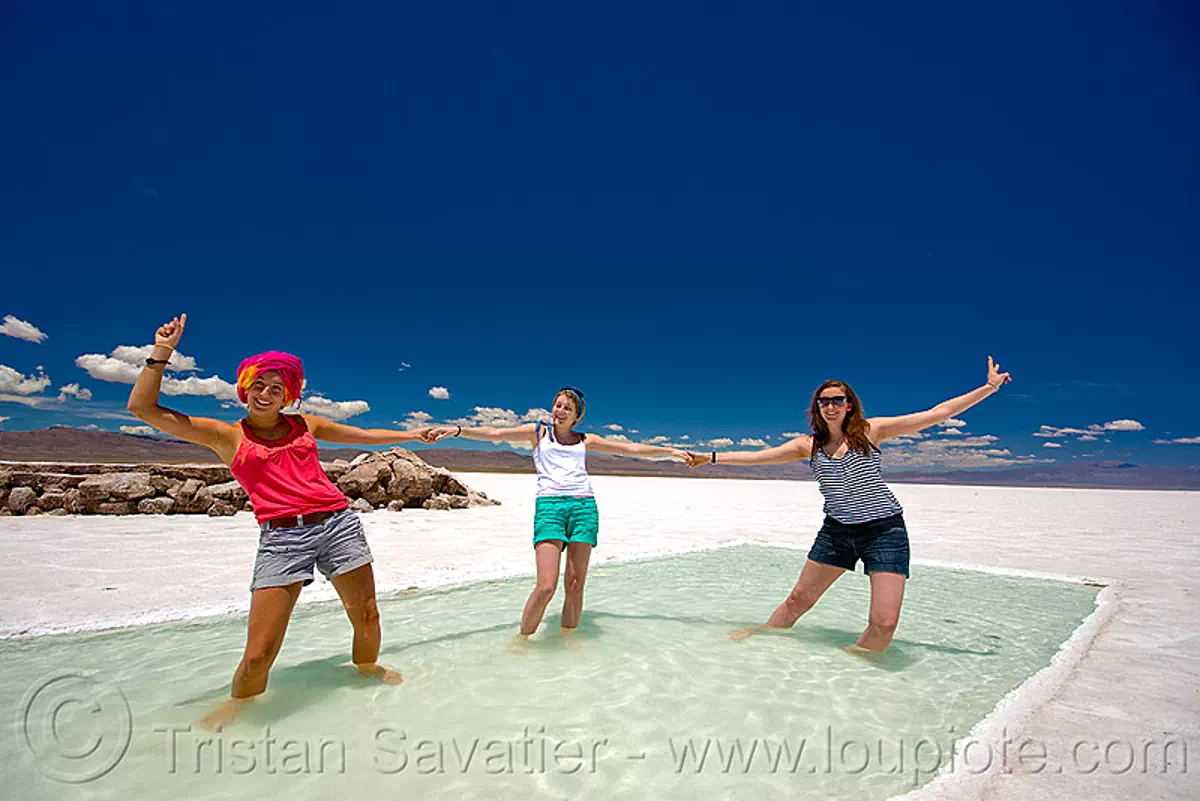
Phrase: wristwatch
pixel 151 362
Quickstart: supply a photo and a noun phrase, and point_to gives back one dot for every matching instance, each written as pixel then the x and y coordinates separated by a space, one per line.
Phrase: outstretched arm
pixel 884 427
pixel 342 434
pixel 527 432
pixel 790 451
pixel 143 400
pixel 601 445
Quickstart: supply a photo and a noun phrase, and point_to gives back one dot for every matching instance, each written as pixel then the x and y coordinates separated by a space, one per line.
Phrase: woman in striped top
pixel 863 520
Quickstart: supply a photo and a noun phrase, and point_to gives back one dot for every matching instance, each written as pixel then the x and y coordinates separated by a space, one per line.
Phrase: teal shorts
pixel 566 518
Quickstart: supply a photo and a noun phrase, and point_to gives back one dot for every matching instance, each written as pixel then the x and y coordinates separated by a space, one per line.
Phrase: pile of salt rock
pixel 394 480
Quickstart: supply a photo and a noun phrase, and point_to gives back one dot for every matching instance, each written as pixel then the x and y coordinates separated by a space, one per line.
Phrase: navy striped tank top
pixel 853 486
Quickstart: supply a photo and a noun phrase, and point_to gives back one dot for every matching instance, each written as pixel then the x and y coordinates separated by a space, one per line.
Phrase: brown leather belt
pixel 298 520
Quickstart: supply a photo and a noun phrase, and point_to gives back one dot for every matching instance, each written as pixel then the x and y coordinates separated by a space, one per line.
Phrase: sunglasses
pixel 836 400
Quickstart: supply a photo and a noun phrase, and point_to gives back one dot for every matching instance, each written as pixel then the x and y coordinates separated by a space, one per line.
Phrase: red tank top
pixel 284 477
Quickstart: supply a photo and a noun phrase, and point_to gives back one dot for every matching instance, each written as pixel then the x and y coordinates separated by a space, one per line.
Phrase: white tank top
pixel 561 469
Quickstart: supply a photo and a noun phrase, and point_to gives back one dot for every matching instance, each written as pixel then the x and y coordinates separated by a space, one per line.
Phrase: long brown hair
pixel 854 424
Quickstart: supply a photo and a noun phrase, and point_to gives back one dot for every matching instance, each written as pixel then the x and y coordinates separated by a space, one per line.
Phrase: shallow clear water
pixel 623 708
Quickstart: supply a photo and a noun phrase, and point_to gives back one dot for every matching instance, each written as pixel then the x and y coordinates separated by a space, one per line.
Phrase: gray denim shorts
pixel 287 555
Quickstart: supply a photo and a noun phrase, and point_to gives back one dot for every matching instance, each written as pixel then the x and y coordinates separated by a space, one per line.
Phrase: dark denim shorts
pixel 882 545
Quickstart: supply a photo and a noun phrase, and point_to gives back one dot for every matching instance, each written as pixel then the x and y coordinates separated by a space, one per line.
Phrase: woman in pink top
pixel 304 518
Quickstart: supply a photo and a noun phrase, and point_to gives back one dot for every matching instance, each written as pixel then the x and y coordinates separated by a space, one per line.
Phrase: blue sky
pixel 694 214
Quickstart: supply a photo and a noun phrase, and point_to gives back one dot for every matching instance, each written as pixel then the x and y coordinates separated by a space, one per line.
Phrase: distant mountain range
pixel 64 444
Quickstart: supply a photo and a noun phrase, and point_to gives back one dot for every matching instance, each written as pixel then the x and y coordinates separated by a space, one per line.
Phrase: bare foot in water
pixel 380 672
pixel 863 653
pixel 568 639
pixel 737 635
pixel 520 644
pixel 227 711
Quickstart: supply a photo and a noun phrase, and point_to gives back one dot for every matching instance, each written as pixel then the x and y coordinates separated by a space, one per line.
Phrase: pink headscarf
pixel 287 365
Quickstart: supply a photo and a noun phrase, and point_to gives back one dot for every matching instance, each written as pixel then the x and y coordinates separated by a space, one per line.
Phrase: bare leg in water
pixel 357 591
pixel 548 555
pixel 579 554
pixel 815 578
pixel 887 593
pixel 270 611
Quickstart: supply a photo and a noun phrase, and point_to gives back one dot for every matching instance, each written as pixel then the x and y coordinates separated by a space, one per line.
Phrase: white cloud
pixel 137 355
pixel 970 442
pixel 13 382
pixel 909 438
pixel 439 393
pixel 493 416
pixel 952 423
pixel 75 391
pixel 1051 444
pixel 614 427
pixel 658 439
pixel 922 457
pixel 520 445
pixel 1084 434
pixel 634 431
pixel 21 329
pixel 946 453
pixel 334 410
pixel 684 437
pixel 618 438
pixel 143 430
pixel 33 402
pixel 792 434
pixel 1053 431
pixel 750 442
pixel 212 386
pixel 404 366
pixel 93 413
pixel 950 431
pixel 720 442
pixel 497 417
pixel 1178 441
pixel 108 368
pixel 1122 425
pixel 1088 438
pixel 126 362
pixel 414 420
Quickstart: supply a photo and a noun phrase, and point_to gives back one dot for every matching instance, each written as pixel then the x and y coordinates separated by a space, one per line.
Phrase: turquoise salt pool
pixel 649 699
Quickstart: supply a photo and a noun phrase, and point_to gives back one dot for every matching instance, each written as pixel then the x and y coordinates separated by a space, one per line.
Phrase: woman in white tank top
pixel 863 519
pixel 566 517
